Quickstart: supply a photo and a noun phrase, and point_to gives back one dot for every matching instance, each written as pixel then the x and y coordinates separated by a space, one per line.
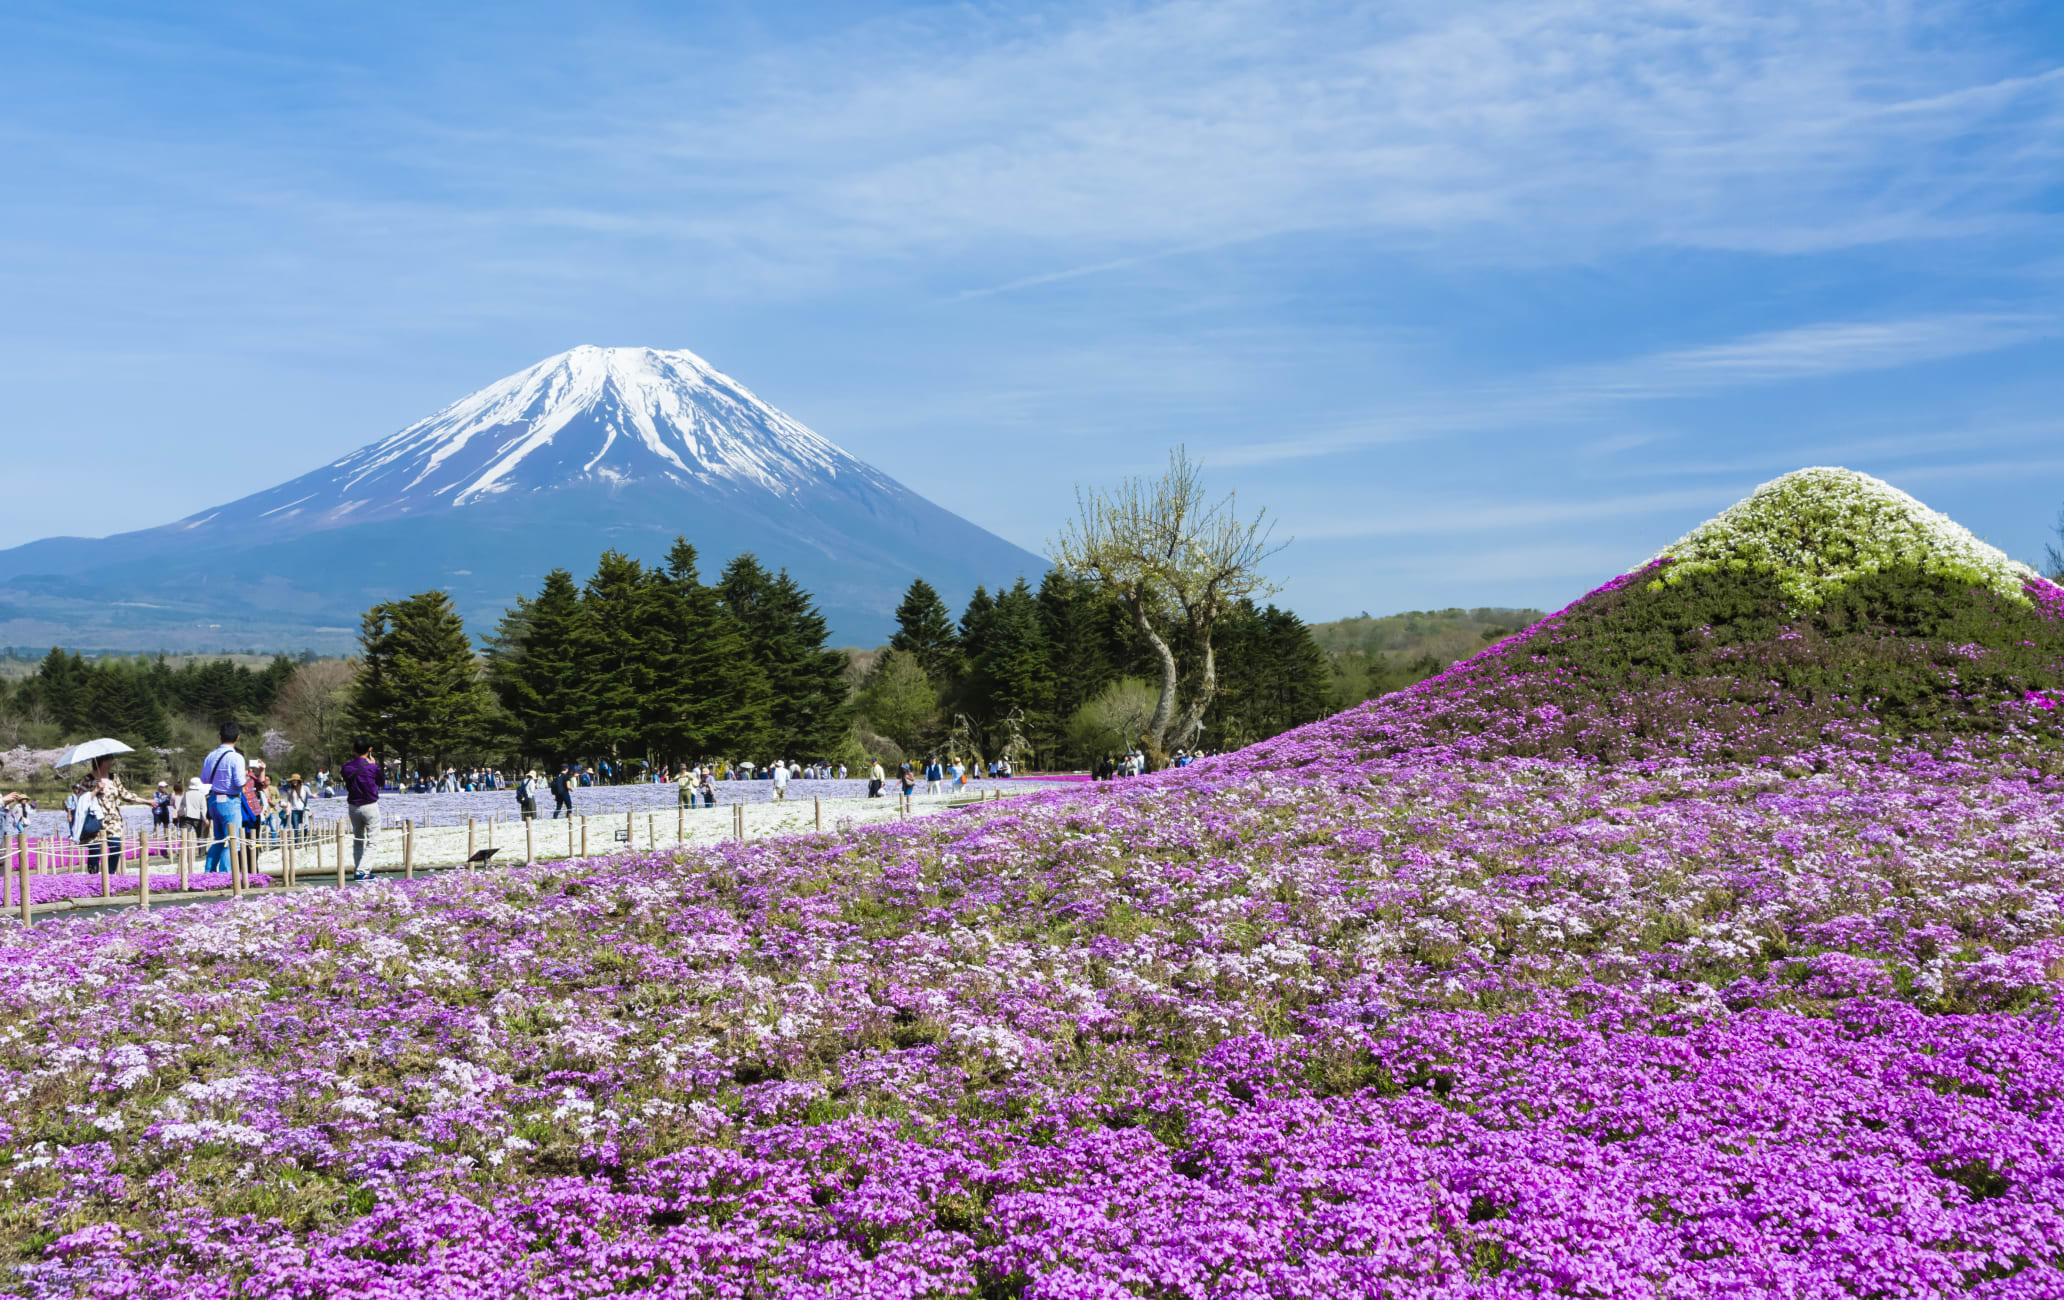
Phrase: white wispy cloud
pixel 1583 392
pixel 1508 127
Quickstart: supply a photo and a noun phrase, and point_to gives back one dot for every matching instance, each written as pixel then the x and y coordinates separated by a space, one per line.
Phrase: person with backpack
pixel 526 795
pixel 224 772
pixel 562 792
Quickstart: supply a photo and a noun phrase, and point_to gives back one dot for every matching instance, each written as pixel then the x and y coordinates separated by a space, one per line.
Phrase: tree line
pixel 143 697
pixel 1062 673
pixel 646 666
pixel 638 666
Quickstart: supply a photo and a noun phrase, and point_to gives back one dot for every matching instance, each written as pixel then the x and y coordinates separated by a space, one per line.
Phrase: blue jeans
pixel 224 811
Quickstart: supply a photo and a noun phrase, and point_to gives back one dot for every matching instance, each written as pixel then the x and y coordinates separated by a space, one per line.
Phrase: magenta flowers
pixel 1428 999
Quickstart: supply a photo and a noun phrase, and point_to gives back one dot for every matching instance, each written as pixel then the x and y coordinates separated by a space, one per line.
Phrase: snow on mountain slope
pixel 593 449
pixel 596 415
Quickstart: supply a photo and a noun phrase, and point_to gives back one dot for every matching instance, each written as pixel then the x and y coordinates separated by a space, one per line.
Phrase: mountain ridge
pixel 588 449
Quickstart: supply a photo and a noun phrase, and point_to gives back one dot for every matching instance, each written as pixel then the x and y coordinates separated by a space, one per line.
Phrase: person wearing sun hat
pixel 293 805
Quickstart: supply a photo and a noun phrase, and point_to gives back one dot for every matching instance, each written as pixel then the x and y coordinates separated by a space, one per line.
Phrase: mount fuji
pixel 593 449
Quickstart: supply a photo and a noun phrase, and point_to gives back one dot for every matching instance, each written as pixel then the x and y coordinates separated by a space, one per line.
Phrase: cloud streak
pixel 1816 351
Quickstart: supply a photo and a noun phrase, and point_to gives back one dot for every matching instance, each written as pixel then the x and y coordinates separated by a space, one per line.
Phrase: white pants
pixel 365 830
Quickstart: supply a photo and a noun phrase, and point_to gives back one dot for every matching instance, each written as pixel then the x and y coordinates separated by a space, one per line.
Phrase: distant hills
pixel 1372 656
pixel 587 450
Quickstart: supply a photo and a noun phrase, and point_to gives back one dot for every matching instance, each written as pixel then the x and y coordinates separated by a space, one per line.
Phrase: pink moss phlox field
pixel 1383 1006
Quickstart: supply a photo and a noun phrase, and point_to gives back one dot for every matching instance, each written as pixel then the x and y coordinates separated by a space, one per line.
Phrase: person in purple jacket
pixel 362 792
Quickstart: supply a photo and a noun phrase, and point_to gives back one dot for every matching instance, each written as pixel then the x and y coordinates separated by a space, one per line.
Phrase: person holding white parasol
pixel 96 820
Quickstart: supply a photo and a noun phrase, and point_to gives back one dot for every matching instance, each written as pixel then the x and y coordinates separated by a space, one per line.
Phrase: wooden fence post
pixel 583 836
pixel 469 837
pixel 236 855
pixel 143 876
pixel 819 801
pixel 738 820
pixel 529 842
pixel 339 837
pixel 408 846
pixel 680 822
pixel 23 853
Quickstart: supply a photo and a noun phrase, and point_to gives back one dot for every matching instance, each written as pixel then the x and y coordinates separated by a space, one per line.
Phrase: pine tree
pixel 116 700
pixel 807 682
pixel 1299 682
pixel 924 629
pixel 373 698
pixel 1083 626
pixel 1011 673
pixel 974 624
pixel 1272 676
pixel 60 684
pixel 709 696
pixel 613 657
pixel 537 672
pixel 811 708
pixel 420 691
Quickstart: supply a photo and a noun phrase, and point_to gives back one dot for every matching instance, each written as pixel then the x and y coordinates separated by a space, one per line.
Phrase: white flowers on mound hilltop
pixel 1821 529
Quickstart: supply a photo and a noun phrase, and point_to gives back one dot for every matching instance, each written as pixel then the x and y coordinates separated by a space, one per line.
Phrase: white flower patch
pixel 1820 529
pixel 458 1082
pixel 585 1042
pixel 1001 1045
pixel 210 1132
pixel 380 947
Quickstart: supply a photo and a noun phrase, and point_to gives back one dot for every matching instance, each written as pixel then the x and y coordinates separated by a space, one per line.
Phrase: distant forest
pixel 1369 657
pixel 648 664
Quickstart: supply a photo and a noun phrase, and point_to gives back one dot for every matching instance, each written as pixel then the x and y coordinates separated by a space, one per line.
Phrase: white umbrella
pixel 87 751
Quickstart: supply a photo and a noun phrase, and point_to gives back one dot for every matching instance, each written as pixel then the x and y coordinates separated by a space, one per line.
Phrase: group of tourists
pixel 1135 763
pixel 241 803
pixel 235 799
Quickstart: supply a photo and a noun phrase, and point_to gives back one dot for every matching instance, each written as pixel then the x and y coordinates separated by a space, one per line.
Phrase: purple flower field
pixel 71 885
pixel 1387 1006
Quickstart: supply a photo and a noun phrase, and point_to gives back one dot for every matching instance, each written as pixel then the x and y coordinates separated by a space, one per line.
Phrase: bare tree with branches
pixel 1177 562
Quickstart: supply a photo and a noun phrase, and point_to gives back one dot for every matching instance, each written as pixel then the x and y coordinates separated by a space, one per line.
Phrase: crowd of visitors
pixel 238 798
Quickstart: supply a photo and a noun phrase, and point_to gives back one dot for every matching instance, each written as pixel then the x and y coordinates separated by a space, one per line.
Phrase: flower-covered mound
pixel 1725 666
pixel 1451 995
pixel 1817 530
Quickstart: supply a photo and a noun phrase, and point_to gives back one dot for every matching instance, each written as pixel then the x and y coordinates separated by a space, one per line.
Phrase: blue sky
pixel 1485 302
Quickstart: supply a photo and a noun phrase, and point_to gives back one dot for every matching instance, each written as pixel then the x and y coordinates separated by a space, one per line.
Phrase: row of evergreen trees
pixel 638 666
pixel 141 699
pixel 652 666
pixel 1027 663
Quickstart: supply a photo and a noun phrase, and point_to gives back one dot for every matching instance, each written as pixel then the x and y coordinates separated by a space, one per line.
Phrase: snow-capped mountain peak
pixel 591 450
pixel 608 414
pixel 602 416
